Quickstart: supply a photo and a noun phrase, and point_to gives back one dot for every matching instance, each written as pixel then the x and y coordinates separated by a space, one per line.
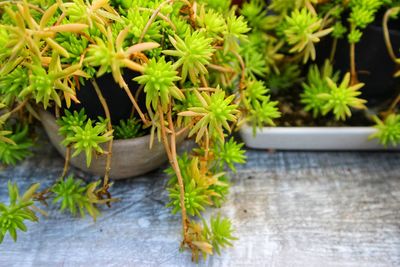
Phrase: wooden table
pixel 288 208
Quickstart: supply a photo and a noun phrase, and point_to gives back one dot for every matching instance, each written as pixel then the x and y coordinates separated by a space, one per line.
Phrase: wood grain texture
pixel 289 209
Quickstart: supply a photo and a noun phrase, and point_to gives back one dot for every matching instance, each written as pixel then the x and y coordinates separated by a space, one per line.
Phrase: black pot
pixel 374 66
pixel 117 100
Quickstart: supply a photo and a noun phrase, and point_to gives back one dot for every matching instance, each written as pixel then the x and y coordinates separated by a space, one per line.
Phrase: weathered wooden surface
pixel 289 209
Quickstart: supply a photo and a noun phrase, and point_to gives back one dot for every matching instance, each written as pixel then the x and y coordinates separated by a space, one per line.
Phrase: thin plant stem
pixel 207 146
pixel 392 106
pixel 174 156
pixel 66 162
pixel 333 49
pixel 353 71
pixel 243 73
pixel 220 68
pixel 109 126
pixel 164 135
pixel 19 107
pixel 203 80
pixel 135 104
pixel 22 2
pixel 159 14
pixel 386 33
pixel 152 18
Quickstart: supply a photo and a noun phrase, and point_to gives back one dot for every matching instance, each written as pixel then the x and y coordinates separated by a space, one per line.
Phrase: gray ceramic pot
pixel 131 157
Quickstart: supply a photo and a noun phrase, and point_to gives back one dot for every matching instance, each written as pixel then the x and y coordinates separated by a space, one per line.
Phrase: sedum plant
pixel 193 65
pixel 19 210
pixel 283 45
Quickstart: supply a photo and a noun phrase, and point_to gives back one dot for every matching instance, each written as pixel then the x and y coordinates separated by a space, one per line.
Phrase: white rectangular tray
pixel 311 138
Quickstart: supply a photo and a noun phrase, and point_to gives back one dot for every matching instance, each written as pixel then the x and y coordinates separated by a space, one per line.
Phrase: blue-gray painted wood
pixel 289 209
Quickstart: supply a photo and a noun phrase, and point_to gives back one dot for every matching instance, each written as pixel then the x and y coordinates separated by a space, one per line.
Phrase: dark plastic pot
pixel 374 66
pixel 117 100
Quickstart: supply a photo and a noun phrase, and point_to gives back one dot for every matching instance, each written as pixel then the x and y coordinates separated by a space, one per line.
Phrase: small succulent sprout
pixel 130 128
pixel 136 20
pixel 255 62
pixel 215 113
pixel 229 153
pixel 287 76
pixel 263 113
pixel 70 121
pixel 363 12
pixel 74 196
pixel 341 98
pixel 302 29
pixel 354 36
pixel 95 13
pixel 219 233
pixel 196 198
pixel 14 215
pixel 45 84
pixel 317 84
pixel 112 56
pixel 256 14
pixel 338 30
pixel 88 138
pixel 159 79
pixel 235 32
pixel 256 91
pixel 194 53
pixel 18 148
pixel 211 22
pixel 13 83
pixel 387 130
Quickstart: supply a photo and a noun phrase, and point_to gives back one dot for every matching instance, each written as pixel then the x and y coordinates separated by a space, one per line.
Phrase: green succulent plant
pixel 87 138
pixel 12 84
pixel 196 199
pixel 302 29
pixel 341 98
pixel 256 92
pixel 215 113
pixel 229 154
pixel 19 147
pixel 263 113
pixel 158 79
pixel 19 210
pixel 235 32
pixel 74 196
pixel 70 121
pixel 194 53
pixel 317 84
pixel 388 130
pixel 127 129
pixel 287 77
pixel 220 233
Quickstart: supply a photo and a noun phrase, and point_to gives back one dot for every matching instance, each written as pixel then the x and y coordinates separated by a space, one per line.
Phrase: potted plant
pixel 165 68
pixel 332 67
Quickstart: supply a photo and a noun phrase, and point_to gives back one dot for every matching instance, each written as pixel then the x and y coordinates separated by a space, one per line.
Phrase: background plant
pixel 289 40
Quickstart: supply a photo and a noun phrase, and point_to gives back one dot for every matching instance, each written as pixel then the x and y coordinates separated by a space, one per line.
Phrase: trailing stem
pixel 392 106
pixel 135 104
pixel 110 143
pixel 353 71
pixel 152 18
pixel 386 33
pixel 66 162
pixel 170 148
pixel 333 49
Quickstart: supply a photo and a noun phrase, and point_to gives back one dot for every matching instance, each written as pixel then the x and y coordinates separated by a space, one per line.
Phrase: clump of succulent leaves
pixel 282 47
pixel 191 67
